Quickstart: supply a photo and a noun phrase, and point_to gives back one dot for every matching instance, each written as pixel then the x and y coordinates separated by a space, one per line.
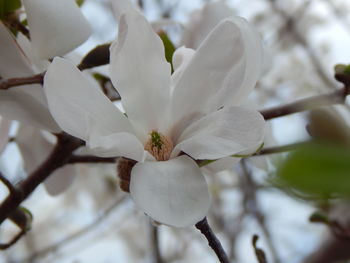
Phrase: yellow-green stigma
pixel 159 146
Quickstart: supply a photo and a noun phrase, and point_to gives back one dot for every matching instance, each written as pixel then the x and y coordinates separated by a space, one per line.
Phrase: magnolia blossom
pixel 170 120
pixel 56 27
pixel 28 105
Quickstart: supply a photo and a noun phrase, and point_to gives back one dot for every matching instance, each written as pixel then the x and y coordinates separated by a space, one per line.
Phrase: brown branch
pixel 280 149
pixel 90 159
pixel 66 144
pixel 13 241
pixel 336 97
pixel 213 241
pixel 8 83
pixel 8 184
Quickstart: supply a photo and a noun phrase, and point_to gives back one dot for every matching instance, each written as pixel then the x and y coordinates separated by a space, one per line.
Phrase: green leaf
pixel 80 2
pixel 169 48
pixel 8 6
pixel 318 169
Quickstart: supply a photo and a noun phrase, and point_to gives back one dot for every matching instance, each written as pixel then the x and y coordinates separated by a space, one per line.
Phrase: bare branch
pixel 90 159
pixel 8 83
pixel 213 241
pixel 66 144
pixel 336 97
pixel 281 149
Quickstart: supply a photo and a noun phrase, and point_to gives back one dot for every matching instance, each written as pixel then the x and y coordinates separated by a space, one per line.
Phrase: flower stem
pixel 213 241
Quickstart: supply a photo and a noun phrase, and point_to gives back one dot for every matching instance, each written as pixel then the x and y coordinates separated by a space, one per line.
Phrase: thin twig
pixel 8 83
pixel 281 149
pixel 336 97
pixel 12 189
pixel 90 159
pixel 66 144
pixel 213 241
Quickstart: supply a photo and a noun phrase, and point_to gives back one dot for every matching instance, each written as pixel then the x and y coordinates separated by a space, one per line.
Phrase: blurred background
pixel 93 221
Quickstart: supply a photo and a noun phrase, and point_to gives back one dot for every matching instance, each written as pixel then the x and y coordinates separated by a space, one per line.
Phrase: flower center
pixel 159 146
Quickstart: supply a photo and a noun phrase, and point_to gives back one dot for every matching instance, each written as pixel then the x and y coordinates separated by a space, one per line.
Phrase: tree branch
pixel 66 144
pixel 280 149
pixel 8 184
pixel 90 159
pixel 213 241
pixel 336 97
pixel 8 83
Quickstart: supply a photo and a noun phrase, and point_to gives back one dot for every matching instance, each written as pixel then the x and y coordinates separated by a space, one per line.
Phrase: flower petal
pixel 116 144
pixel 60 180
pixel 140 73
pixel 33 156
pixel 172 192
pixel 19 104
pixel 226 163
pixel 78 106
pixel 26 104
pixel 222 72
pixel 223 133
pixel 56 27
pixel 13 61
pixel 181 57
pixel 123 6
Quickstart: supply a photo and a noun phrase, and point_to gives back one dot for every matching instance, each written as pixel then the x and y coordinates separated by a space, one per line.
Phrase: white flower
pixel 27 103
pixel 56 26
pixel 194 111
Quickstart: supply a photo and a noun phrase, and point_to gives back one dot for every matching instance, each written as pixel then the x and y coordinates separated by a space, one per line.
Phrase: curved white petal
pixel 5 126
pixel 35 148
pixel 56 27
pixel 221 73
pixel 116 144
pixel 226 163
pixel 26 104
pixel 14 63
pixel 172 192
pixel 123 6
pixel 79 107
pixel 140 73
pixel 223 133
pixel 21 104
pixel 38 65
pixel 203 21
pixel 60 180
pixel 181 57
